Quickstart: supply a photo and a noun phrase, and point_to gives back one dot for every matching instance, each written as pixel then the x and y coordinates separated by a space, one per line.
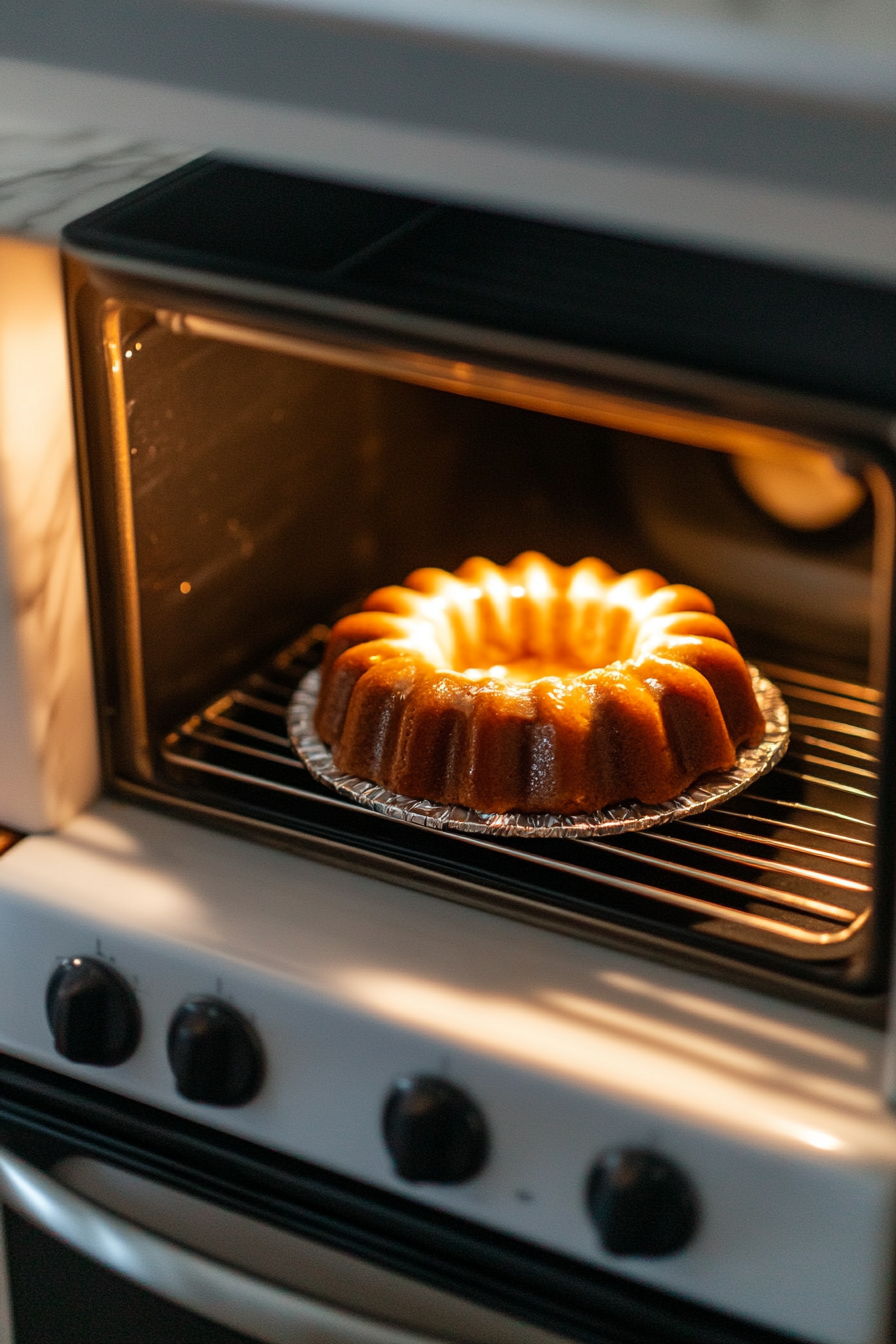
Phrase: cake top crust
pixel 533 619
pixel 535 687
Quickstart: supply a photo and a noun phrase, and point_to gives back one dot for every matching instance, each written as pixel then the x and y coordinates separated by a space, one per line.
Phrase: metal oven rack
pixel 788 864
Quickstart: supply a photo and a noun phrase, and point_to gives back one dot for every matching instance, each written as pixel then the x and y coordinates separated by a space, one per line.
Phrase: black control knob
pixel 642 1203
pixel 214 1053
pixel 92 1012
pixel 434 1131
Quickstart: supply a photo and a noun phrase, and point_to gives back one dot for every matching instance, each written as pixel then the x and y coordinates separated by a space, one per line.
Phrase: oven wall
pixel 49 762
pixel 271 492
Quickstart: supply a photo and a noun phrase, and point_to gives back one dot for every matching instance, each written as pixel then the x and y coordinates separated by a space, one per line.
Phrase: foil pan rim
pixel 708 791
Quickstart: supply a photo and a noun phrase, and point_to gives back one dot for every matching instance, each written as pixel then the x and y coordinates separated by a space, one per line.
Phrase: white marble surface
pixel 49 766
pixel 50 174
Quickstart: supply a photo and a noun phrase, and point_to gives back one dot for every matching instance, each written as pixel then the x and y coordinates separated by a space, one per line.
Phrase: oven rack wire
pixel 789 861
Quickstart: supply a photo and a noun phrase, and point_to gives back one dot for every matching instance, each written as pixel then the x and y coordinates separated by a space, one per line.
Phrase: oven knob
pixel 214 1053
pixel 434 1131
pixel 642 1203
pixel 92 1012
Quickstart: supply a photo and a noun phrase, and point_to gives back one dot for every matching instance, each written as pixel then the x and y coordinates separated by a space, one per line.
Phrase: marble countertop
pixel 49 175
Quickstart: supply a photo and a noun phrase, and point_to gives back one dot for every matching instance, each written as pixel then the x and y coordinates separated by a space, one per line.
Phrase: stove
pixel 446 1086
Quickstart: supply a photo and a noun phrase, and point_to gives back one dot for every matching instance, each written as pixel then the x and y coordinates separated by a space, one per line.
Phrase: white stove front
pixel 773 1113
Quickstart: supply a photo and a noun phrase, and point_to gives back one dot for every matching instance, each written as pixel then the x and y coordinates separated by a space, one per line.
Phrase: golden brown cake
pixel 535 688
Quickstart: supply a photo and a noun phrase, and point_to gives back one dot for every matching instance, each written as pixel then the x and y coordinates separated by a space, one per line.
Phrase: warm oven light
pixel 808 494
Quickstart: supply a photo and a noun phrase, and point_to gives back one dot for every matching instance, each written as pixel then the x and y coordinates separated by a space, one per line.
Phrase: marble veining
pixel 48 745
pixel 49 765
pixel 50 175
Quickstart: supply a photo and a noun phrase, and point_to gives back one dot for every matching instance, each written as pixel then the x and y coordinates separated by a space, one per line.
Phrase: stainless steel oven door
pixel 253 1281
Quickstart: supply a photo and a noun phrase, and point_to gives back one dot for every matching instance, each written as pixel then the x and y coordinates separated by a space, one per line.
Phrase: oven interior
pixel 248 477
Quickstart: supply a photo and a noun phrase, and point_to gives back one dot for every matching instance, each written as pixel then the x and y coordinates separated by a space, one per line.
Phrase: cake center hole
pixel 527 669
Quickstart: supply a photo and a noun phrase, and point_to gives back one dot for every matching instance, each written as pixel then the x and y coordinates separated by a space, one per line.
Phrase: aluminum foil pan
pixel 708 791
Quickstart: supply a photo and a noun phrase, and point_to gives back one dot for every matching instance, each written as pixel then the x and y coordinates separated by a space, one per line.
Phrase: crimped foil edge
pixel 706 792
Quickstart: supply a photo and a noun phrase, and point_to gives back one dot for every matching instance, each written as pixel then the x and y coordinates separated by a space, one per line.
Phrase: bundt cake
pixel 535 688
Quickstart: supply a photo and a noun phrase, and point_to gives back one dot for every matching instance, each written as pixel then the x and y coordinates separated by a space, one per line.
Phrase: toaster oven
pixel 219 979
pixel 277 419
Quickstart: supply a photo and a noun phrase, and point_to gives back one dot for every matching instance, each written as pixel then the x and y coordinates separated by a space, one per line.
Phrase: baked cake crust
pixel 532 687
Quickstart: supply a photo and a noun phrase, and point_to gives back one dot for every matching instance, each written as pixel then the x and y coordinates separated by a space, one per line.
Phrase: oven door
pixel 203 1275
pixel 128 1225
pixel 124 1225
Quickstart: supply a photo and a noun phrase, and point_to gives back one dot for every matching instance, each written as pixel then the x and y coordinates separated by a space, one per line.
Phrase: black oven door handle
pixel 210 1289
